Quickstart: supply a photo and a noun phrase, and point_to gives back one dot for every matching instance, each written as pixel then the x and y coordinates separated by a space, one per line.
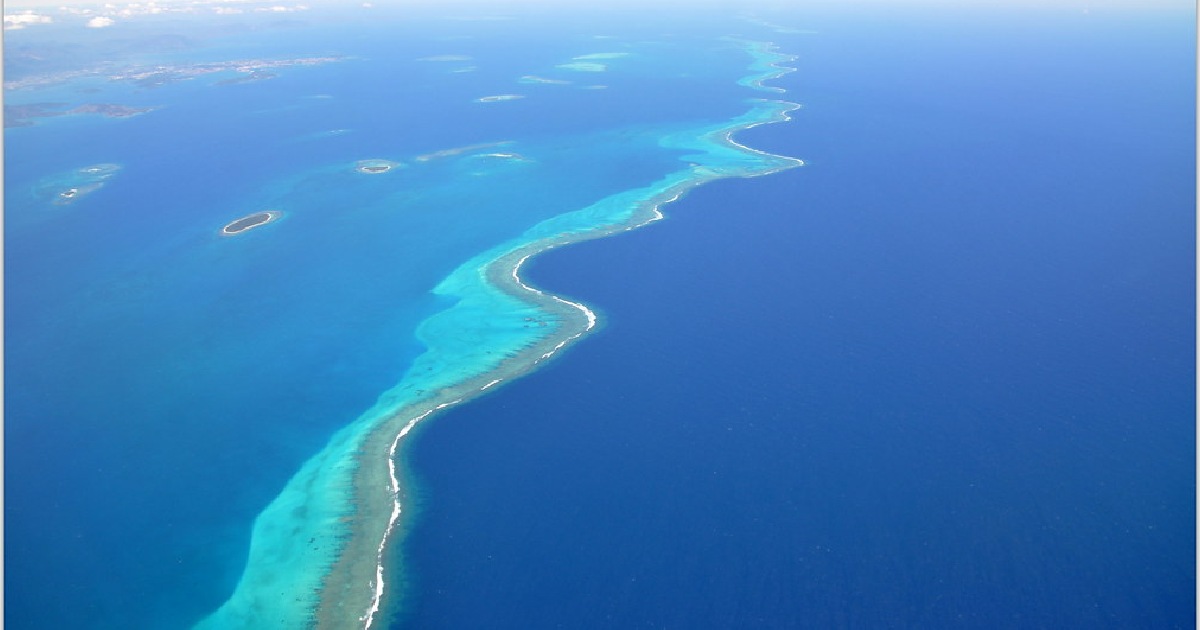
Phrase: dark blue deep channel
pixel 942 376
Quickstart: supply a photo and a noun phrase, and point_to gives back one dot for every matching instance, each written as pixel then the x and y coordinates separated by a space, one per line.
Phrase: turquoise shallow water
pixel 944 372
pixel 192 377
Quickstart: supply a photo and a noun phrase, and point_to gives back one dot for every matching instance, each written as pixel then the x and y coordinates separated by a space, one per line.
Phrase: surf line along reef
pixel 322 552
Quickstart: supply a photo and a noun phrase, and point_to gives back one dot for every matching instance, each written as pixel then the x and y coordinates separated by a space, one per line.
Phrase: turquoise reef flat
pixel 355 325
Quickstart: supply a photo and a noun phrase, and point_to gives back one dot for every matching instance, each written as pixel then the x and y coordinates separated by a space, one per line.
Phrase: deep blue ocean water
pixel 942 375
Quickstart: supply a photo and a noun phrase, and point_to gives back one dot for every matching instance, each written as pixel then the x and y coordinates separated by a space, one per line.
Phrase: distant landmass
pixel 165 74
pixel 26 115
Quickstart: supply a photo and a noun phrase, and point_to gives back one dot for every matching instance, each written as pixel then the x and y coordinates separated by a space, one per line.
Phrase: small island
pixel 372 167
pixel 250 222
pixel 499 97
pixel 74 193
pixel 67 188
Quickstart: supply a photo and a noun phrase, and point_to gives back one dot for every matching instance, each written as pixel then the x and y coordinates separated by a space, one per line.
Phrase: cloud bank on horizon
pixel 26 13
pixel 20 14
pixel 24 19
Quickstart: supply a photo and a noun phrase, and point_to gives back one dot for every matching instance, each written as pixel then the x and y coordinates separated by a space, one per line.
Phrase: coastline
pixel 323 554
pixel 271 217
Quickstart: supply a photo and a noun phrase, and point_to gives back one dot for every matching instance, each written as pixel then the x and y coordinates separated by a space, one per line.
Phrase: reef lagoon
pixel 367 316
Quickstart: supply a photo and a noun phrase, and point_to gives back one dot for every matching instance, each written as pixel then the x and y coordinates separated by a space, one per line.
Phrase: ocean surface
pixel 941 375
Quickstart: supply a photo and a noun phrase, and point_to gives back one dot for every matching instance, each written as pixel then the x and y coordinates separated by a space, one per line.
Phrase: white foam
pixel 587 312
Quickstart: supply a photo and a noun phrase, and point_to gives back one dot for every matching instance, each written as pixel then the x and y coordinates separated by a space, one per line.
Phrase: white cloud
pixel 282 9
pixel 23 19
pixel 100 22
